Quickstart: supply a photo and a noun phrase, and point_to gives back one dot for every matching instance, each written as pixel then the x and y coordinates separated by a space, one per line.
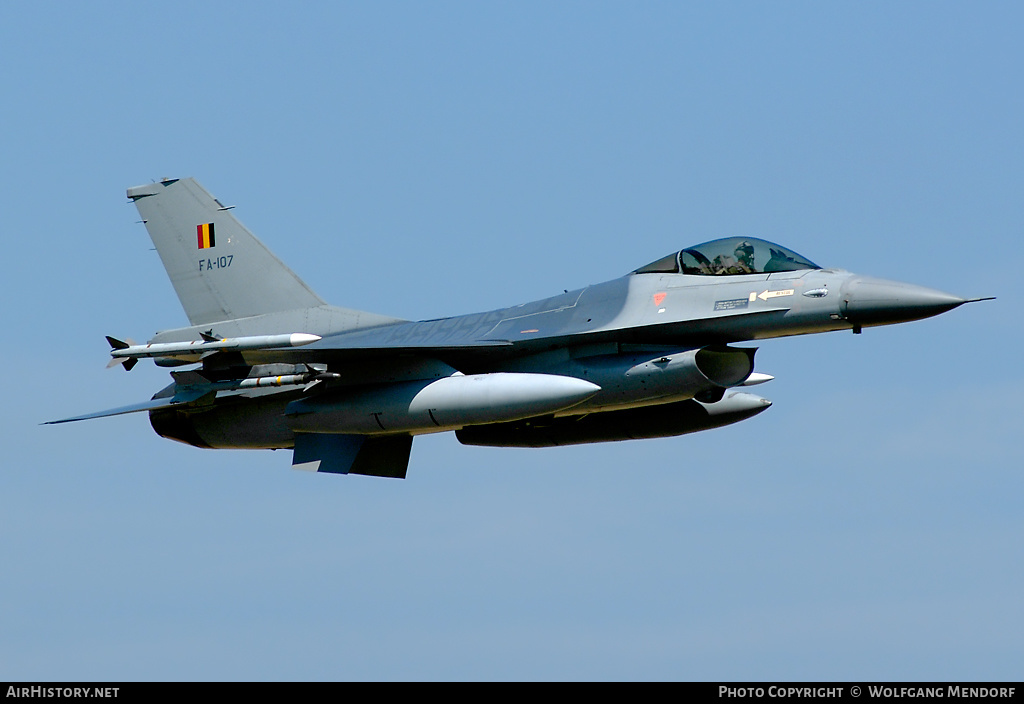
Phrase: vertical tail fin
pixel 219 270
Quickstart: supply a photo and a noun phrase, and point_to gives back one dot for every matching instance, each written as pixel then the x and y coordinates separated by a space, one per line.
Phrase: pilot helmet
pixel 744 250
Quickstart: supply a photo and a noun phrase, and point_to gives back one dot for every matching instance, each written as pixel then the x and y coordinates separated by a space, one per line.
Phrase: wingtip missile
pixel 197 348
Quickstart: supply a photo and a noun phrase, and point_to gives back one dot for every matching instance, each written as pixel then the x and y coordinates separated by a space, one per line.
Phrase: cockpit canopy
pixel 730 256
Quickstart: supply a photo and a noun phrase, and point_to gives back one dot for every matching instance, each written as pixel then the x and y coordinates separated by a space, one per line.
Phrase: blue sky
pixel 429 159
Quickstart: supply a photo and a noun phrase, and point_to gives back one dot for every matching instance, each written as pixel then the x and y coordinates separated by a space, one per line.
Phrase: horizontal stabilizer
pixel 179 399
pixel 353 454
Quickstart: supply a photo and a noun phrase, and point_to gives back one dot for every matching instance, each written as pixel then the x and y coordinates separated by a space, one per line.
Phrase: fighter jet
pixel 650 354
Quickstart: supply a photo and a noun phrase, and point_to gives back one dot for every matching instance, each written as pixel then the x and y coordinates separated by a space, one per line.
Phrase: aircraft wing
pixel 469 344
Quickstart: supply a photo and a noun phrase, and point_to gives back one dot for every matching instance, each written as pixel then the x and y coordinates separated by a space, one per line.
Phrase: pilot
pixel 744 258
pixel 742 261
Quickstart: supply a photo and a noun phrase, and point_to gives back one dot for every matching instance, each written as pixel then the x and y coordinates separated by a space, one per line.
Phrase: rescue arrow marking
pixel 765 295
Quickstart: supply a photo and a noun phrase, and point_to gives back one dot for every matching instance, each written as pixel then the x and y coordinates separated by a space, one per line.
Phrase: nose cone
pixel 869 301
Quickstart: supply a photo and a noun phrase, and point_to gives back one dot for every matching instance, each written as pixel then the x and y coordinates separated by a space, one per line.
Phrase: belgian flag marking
pixel 204 236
